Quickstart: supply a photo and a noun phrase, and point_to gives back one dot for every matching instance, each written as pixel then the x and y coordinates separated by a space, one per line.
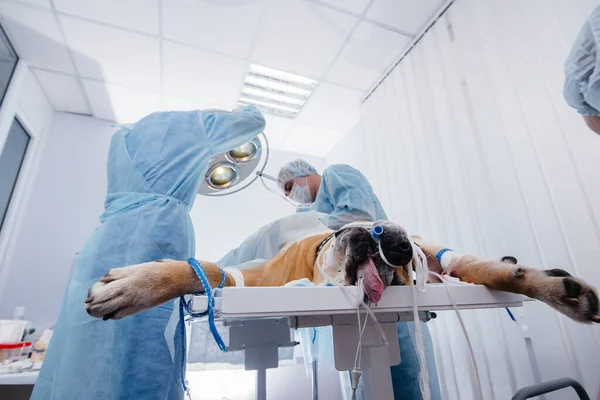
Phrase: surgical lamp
pixel 233 170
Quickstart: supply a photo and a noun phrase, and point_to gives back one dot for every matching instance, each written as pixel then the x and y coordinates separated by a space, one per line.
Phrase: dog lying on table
pixel 341 255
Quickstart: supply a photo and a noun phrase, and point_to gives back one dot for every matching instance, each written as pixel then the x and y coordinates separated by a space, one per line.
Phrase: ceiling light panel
pixel 276 92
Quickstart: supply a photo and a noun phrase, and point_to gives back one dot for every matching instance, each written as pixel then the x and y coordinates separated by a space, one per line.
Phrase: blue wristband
pixel 441 253
pixel 223 279
pixel 211 301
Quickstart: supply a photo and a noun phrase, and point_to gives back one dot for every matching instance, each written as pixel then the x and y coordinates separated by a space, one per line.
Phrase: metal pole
pixel 261 384
pixel 315 381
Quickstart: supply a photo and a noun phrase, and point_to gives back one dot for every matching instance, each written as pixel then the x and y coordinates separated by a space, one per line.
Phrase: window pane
pixel 11 160
pixel 8 63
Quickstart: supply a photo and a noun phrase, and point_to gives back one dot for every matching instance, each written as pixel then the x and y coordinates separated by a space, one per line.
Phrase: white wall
pixel 350 150
pixel 62 211
pixel 469 142
pixel 25 101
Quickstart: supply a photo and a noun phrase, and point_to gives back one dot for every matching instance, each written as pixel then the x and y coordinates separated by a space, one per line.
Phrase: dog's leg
pixel 129 290
pixel 555 287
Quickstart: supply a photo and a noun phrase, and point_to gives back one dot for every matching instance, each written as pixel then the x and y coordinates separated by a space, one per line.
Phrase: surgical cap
pixel 292 170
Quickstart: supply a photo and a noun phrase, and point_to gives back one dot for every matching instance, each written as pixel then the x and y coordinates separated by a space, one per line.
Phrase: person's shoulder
pixel 160 118
pixel 342 169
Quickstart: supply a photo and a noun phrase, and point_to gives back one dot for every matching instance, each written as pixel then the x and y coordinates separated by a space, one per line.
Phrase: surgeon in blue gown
pixel 582 72
pixel 345 195
pixel 155 168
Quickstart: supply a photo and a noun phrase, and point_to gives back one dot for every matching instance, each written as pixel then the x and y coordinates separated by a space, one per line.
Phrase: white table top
pixel 264 302
pixel 22 378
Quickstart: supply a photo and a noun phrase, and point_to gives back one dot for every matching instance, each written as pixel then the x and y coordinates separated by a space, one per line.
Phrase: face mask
pixel 305 208
pixel 300 194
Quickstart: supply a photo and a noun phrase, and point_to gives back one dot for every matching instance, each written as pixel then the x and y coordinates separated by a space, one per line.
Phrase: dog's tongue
pixel 372 281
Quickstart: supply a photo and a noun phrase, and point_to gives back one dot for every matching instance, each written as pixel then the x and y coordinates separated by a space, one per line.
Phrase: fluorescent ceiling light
pixel 278 98
pixel 248 100
pixel 276 92
pixel 276 86
pixel 282 76
pixel 269 110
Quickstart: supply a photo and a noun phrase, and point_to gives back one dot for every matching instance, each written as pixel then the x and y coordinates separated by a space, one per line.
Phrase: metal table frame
pixel 259 321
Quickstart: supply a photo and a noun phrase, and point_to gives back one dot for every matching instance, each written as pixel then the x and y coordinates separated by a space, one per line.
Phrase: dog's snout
pixel 405 246
pixel 397 249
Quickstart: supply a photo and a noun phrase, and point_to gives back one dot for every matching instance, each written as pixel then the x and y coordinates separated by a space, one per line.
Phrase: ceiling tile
pixel 63 91
pixel 119 103
pixel 36 36
pixel 202 76
pixel 332 106
pixel 368 53
pixel 354 6
pixel 406 15
pixel 225 27
pixel 113 55
pixel 39 3
pixel 301 37
pixel 171 103
pixel 310 139
pixel 137 15
pixel 276 130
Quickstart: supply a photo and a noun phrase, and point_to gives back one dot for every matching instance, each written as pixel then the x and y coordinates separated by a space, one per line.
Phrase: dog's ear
pixel 509 260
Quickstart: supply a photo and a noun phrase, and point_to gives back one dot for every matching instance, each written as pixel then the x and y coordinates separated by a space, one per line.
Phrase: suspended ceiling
pixel 122 59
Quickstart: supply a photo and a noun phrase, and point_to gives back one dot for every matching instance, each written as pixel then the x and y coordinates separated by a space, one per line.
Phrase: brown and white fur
pixel 132 289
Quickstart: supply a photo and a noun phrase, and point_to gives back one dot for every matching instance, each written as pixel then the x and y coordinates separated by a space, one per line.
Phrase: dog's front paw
pixel 569 295
pixel 126 291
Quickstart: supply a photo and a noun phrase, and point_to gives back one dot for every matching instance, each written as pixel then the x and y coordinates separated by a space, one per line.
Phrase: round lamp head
pixel 233 170
pixel 222 176
pixel 245 152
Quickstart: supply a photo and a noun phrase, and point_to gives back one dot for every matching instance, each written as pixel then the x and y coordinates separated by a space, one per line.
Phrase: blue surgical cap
pixel 292 170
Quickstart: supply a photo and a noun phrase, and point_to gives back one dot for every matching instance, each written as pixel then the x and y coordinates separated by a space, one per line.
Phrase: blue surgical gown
pixel 346 195
pixel 582 69
pixel 155 168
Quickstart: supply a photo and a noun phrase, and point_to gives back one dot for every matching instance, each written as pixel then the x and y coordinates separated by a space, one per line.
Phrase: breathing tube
pixel 422 272
pixel 419 260
pixel 359 296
